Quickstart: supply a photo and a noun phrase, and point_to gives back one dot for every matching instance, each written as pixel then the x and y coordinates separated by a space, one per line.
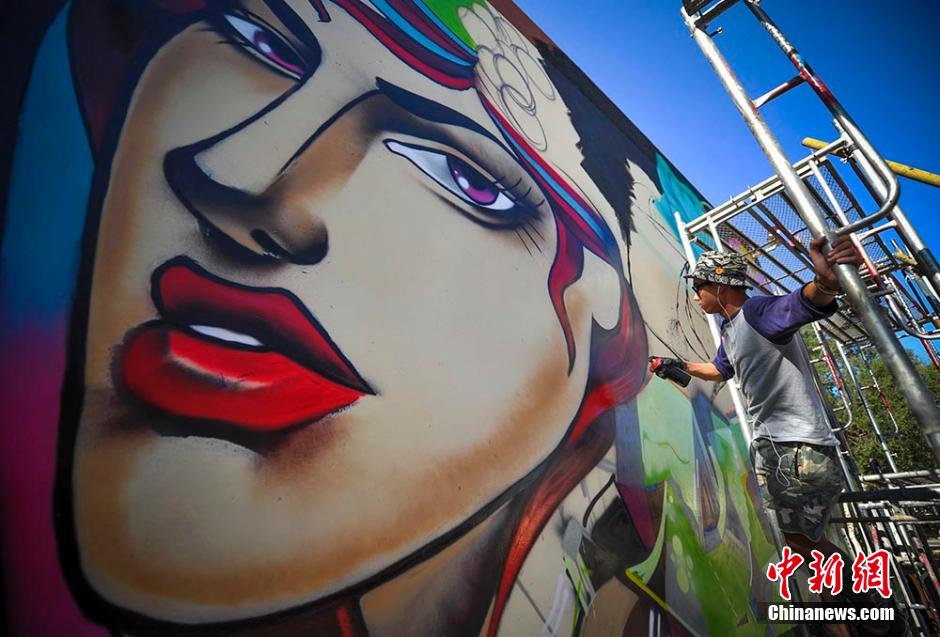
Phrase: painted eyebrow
pixel 412 103
pixel 421 106
pixel 433 111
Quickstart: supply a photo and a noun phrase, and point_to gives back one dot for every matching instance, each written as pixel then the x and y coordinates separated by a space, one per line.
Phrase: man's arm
pixel 778 318
pixel 705 371
pixel 823 290
pixel 718 370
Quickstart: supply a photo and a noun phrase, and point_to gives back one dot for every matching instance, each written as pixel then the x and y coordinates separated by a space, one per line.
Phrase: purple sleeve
pixel 778 318
pixel 722 364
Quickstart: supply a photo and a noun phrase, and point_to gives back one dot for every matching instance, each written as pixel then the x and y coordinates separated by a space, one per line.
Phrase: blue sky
pixel 880 60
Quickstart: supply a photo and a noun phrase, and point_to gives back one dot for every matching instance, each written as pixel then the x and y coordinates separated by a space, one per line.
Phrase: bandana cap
pixel 727 268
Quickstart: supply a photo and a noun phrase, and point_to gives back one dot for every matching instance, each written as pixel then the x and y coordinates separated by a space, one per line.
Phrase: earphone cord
pixel 688 313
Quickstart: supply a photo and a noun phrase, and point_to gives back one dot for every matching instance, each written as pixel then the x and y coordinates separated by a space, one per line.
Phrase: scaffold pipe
pixel 902 475
pixel 902 170
pixel 922 403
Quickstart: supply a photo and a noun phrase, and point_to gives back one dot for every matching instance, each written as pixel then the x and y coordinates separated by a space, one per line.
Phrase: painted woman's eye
pixel 474 184
pixel 266 44
pixel 457 176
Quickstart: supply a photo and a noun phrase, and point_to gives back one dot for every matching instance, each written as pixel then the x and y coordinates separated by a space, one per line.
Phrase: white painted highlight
pixel 223 334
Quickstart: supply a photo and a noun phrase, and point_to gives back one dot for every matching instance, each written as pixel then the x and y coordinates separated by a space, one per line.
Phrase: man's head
pixel 719 280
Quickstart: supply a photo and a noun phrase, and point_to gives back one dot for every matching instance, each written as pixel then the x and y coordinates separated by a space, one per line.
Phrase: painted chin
pixel 211 490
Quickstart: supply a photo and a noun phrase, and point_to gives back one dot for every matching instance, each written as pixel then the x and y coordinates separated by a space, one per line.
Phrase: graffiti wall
pixel 331 317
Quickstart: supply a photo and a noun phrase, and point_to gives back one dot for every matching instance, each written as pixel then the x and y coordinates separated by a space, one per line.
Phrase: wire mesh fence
pixel 765 226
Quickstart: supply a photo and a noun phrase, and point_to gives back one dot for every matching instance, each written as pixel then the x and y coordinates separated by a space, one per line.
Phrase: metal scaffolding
pixel 896 294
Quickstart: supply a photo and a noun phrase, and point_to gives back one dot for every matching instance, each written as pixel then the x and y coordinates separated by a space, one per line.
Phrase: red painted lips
pixel 250 357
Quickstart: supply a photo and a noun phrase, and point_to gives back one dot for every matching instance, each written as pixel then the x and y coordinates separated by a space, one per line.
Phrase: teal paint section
pixel 49 187
pixel 678 196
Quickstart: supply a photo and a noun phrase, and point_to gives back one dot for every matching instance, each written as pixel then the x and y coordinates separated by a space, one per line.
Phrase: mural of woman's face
pixel 319 333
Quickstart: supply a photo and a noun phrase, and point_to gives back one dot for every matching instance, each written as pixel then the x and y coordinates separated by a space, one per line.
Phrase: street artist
pixel 795 450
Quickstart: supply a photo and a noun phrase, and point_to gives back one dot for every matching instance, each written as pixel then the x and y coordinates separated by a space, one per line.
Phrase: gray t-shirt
pixel 759 348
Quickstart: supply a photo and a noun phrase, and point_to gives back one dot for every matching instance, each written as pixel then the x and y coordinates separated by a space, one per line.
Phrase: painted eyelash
pixel 522 241
pixel 534 229
pixel 217 23
pixel 531 209
pixel 517 197
pixel 523 210
pixel 525 228
pixel 511 190
pixel 240 11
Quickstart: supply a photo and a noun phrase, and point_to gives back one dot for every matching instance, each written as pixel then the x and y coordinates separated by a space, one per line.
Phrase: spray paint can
pixel 669 370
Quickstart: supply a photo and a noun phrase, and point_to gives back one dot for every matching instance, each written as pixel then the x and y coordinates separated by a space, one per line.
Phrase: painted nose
pixel 267 224
pixel 264 185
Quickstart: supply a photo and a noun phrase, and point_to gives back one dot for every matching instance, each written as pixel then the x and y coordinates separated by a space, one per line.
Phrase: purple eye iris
pixel 478 188
pixel 276 51
pixel 465 182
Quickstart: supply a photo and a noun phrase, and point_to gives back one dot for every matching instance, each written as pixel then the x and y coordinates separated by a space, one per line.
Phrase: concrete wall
pixel 332 318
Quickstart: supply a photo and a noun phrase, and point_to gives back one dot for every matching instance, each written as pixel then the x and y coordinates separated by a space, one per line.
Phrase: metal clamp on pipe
pixel 864 148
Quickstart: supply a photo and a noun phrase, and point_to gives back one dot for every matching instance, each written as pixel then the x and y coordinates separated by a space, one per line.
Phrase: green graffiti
pixel 710 586
pixel 447 12
pixel 666 430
